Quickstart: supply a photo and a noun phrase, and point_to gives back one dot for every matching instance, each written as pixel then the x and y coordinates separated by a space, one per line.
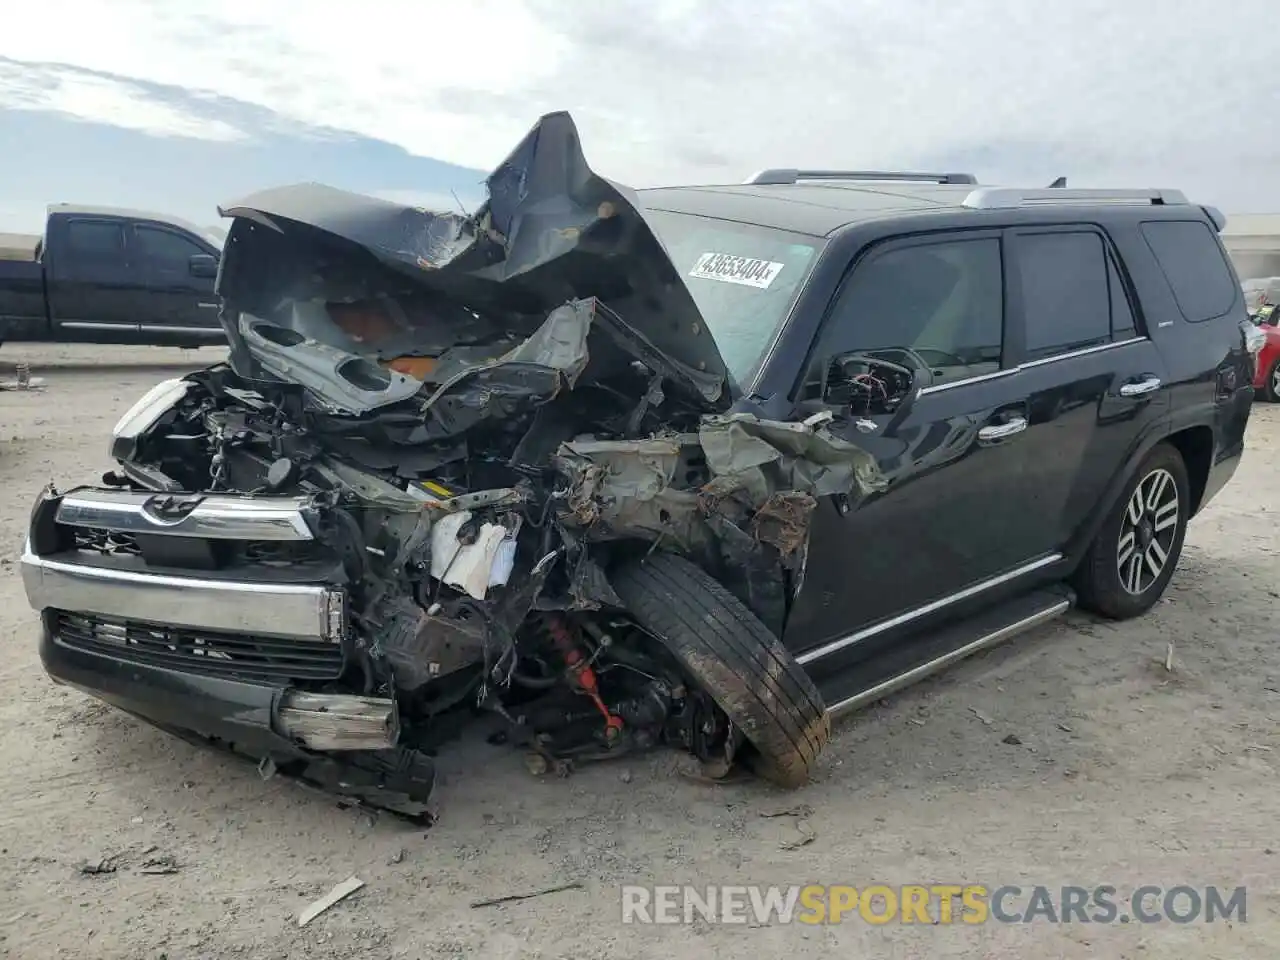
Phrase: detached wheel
pixel 734 658
pixel 1130 563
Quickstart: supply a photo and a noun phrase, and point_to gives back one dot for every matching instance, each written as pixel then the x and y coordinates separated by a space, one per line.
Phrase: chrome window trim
pixel 1071 355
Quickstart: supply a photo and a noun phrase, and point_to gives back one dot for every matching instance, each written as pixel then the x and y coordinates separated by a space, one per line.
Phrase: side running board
pixel 898 668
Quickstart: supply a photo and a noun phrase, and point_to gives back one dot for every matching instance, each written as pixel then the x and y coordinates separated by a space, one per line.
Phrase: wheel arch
pixel 1194 443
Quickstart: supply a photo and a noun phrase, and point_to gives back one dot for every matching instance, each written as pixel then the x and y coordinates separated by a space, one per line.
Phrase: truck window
pixel 1066 293
pixel 164 255
pixel 1192 262
pixel 944 300
pixel 95 250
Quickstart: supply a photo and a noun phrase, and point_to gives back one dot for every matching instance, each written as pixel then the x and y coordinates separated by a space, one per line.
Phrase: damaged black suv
pixel 701 466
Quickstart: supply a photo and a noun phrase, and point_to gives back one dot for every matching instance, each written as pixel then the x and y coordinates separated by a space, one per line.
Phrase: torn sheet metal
pixel 762 457
pixel 626 488
pixel 552 230
pixel 764 478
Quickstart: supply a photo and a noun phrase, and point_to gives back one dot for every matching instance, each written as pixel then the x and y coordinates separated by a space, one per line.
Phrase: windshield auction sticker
pixel 730 269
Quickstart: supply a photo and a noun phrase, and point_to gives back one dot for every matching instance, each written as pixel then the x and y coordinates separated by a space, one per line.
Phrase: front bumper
pixel 149 603
pixel 160 567
pixel 210 650
pixel 239 715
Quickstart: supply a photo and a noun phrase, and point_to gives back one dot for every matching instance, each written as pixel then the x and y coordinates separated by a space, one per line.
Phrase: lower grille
pixel 269 553
pixel 231 655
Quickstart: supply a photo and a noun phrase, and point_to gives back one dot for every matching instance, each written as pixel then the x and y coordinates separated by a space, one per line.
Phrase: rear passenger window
pixel 95 252
pixel 1066 292
pixel 96 240
pixel 1192 261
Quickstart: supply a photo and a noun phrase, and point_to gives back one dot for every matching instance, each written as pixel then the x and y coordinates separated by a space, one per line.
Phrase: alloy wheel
pixel 1275 380
pixel 1147 531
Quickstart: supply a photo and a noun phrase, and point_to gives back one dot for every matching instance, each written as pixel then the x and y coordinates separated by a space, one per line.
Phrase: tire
pixel 1106 581
pixel 1271 386
pixel 734 658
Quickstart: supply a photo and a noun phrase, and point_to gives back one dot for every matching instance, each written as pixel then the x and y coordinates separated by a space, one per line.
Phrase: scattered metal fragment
pixel 93 868
pixel 159 866
pixel 981 716
pixel 1012 740
pixel 334 896
pixel 806 836
pixel 799 810
pixel 525 896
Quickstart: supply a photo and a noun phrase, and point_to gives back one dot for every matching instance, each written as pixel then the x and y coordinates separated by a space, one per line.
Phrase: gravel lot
pixel 1125 774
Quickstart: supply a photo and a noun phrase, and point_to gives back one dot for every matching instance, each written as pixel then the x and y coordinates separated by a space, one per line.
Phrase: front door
pixel 177 300
pixel 950 515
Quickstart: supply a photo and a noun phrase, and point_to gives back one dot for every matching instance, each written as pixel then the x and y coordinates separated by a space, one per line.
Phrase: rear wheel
pixel 1131 561
pixel 734 657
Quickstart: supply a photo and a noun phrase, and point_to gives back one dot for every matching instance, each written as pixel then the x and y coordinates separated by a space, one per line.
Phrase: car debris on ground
pixel 330 899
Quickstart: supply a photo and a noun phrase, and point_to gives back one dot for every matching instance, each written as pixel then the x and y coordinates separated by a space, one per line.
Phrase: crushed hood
pixel 552 231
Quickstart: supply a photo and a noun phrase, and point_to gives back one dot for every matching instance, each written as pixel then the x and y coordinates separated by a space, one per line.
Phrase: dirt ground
pixel 1123 774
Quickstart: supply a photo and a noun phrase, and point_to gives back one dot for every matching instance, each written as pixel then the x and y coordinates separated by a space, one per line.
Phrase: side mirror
pixel 840 387
pixel 204 266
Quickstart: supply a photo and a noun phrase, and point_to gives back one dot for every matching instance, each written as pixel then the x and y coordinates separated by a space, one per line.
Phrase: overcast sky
pixel 1107 92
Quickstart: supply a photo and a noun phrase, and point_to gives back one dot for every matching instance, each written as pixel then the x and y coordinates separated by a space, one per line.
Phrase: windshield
pixel 743 277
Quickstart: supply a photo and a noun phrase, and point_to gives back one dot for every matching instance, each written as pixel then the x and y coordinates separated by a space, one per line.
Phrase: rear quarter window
pixel 1194 266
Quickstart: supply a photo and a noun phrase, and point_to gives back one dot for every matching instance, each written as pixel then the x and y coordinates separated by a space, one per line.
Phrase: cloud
pixel 182 152
pixel 85 96
pixel 679 90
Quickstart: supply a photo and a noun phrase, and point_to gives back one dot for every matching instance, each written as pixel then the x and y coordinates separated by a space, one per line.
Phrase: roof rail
pixel 990 198
pixel 794 176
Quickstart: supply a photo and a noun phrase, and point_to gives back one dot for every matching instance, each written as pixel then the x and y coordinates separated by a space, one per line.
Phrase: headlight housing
pixel 143 415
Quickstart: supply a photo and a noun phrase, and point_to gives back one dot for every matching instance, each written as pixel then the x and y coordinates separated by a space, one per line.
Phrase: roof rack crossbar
pixel 792 175
pixel 990 198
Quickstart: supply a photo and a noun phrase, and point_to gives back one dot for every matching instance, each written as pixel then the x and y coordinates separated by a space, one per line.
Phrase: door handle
pixel 1140 388
pixel 1001 431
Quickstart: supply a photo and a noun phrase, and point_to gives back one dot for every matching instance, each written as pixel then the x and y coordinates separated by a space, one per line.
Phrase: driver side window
pixel 938 305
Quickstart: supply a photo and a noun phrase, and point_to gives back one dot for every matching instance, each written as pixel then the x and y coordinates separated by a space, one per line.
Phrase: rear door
pixel 1094 381
pixel 93 288
pixel 949 524
pixel 177 300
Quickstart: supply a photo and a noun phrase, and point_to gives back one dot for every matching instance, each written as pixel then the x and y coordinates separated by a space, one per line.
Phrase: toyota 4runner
pixel 702 465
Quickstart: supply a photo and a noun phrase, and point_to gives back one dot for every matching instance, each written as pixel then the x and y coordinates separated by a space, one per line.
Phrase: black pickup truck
pixel 104 275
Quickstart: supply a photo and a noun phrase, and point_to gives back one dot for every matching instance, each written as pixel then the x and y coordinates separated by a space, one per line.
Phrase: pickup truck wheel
pixel 1129 564
pixel 734 658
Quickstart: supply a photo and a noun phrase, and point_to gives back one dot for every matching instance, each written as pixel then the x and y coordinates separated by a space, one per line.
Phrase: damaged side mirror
pixel 861 385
